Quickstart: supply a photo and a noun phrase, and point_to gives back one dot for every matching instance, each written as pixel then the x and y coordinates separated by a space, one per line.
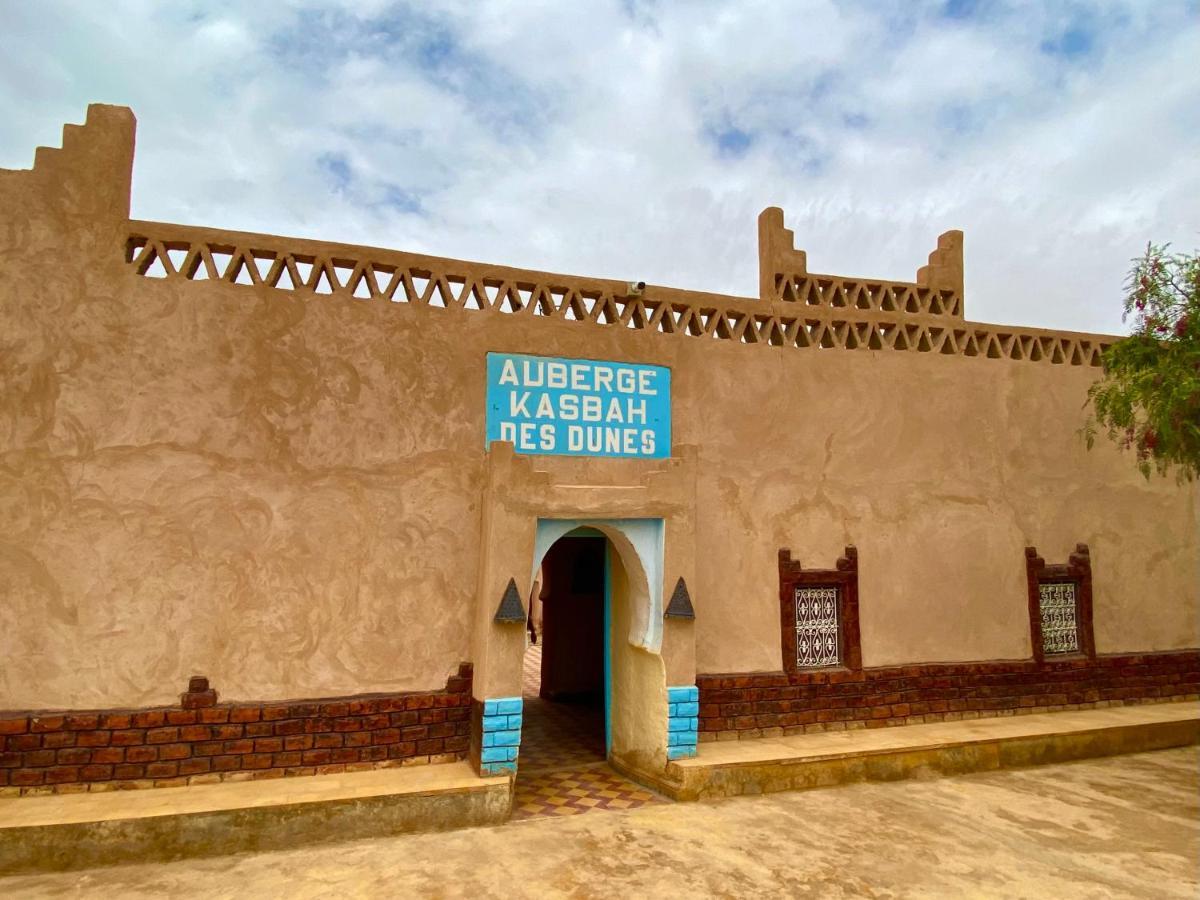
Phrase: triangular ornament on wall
pixel 510 608
pixel 680 605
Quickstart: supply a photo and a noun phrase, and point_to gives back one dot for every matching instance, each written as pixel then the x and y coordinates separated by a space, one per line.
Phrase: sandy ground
pixel 1122 827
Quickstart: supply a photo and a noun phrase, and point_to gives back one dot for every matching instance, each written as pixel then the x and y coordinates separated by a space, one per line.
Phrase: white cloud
pixel 584 137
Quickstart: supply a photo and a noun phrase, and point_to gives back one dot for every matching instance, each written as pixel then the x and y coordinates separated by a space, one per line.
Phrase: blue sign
pixel 578 407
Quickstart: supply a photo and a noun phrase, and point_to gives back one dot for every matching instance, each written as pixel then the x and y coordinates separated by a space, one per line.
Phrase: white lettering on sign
pixel 579 407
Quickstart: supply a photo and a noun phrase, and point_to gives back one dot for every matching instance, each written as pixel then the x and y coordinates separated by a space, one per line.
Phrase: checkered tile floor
pixel 531 670
pixel 560 735
pixel 562 769
pixel 575 791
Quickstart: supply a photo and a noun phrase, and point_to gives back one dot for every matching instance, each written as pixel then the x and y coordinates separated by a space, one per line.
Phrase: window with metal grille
pixel 818 614
pixel 1060 605
pixel 1060 625
pixel 817 640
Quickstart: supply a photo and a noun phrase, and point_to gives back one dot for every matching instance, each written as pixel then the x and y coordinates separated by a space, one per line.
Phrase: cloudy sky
pixel 640 139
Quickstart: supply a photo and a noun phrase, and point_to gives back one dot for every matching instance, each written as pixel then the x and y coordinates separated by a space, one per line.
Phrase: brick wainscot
pixel 755 704
pixel 202 740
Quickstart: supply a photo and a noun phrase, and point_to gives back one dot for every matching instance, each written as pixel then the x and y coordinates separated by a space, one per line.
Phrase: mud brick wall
pixel 202 741
pixel 758 703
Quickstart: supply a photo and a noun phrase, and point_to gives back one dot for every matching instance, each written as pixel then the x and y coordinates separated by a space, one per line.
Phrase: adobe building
pixel 283 507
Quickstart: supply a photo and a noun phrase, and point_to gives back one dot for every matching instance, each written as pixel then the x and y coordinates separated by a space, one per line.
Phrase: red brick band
pixel 744 705
pixel 205 741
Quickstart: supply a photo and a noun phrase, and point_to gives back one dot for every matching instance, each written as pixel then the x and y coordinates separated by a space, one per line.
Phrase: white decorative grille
pixel 1060 633
pixel 816 627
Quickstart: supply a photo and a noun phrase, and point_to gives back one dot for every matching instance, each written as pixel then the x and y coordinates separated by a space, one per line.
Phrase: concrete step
pixel 764 765
pixel 69 831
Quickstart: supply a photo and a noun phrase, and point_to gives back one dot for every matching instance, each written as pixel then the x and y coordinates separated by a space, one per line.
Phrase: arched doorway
pixel 591 693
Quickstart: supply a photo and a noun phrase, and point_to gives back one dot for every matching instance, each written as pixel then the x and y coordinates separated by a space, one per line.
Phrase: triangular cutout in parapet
pixel 362 286
pixel 680 605
pixel 474 297
pixel 384 279
pixel 510 608
pixel 284 281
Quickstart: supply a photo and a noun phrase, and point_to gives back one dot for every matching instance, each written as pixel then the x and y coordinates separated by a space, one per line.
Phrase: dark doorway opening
pixel 564 667
pixel 572 633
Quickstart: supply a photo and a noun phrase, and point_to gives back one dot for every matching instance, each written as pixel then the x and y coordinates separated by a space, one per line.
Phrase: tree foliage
pixel 1148 399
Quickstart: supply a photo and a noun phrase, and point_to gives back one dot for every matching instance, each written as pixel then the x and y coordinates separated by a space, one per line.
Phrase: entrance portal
pixel 567 684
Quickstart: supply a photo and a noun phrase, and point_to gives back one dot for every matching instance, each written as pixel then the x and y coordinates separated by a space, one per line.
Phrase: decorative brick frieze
pixel 683 710
pixel 205 741
pixel 797 310
pixel 757 703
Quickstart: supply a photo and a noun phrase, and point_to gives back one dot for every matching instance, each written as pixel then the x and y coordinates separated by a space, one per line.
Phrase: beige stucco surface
pixel 639 693
pixel 285 492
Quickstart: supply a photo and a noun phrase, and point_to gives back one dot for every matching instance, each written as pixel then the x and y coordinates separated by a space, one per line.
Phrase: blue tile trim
pixel 685 694
pixel 506 738
pixel 683 708
pixel 500 739
pixel 498 754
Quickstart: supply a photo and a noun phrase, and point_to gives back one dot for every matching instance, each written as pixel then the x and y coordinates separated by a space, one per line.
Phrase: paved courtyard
pixel 1120 827
pixel 563 770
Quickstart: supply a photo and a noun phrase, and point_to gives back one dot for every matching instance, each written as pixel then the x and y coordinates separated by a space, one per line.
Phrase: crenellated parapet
pixel 779 262
pixel 944 272
pixel 783 276
pixel 835 313
pixel 84 184
pixel 81 191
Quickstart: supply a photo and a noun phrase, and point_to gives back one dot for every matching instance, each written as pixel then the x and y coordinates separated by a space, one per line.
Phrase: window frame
pixel 1077 570
pixel 845 579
